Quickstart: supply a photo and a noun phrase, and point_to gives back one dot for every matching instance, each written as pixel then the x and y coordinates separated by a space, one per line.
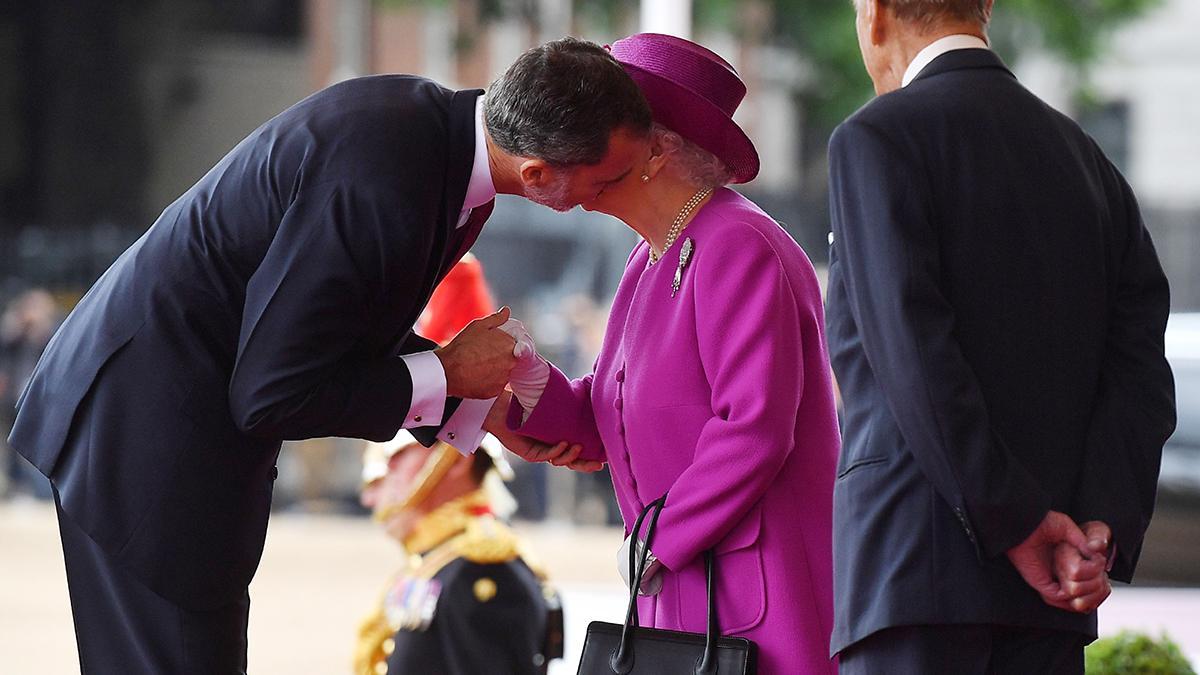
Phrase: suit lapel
pixel 465 236
pixel 448 239
pixel 462 156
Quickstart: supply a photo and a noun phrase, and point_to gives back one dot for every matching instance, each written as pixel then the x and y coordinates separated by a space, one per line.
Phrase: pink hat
pixel 692 92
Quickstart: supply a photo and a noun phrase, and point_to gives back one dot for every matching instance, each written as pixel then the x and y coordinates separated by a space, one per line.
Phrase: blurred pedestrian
pixel 996 319
pixel 275 300
pixel 468 600
pixel 25 329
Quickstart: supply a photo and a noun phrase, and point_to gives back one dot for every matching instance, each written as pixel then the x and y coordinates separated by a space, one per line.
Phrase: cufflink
pixel 417 418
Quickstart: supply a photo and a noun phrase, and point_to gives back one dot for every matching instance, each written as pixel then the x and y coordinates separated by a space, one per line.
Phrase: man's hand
pixel 532 450
pixel 1034 558
pixel 479 359
pixel 1084 578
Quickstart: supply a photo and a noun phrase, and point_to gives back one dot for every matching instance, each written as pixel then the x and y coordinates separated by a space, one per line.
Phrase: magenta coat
pixel 721 395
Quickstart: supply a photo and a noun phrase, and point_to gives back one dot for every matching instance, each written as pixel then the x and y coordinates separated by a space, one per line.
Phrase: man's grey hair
pixel 927 13
pixel 690 162
pixel 560 102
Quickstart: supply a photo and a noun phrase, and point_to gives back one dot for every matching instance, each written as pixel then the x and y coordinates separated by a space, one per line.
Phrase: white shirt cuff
pixel 464 429
pixel 429 390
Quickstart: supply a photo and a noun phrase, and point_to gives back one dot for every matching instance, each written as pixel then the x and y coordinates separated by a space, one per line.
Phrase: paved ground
pixel 321 573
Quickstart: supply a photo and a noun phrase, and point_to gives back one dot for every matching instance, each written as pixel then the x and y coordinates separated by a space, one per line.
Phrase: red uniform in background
pixel 462 297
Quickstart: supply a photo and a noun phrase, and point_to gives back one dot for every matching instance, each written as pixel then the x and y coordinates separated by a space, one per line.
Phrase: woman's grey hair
pixel 690 162
pixel 927 13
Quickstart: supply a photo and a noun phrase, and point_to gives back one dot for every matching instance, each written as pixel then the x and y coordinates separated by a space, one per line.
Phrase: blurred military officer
pixel 467 599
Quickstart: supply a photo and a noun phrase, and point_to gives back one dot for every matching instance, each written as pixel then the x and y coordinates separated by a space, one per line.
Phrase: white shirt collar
pixel 937 48
pixel 480 189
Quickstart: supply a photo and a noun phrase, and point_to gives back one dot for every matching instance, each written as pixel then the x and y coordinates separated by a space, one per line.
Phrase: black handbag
pixel 628 649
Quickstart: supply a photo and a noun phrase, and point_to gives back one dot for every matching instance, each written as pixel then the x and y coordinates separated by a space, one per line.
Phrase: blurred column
pixel 554 18
pixel 673 17
pixel 440 60
pixel 351 41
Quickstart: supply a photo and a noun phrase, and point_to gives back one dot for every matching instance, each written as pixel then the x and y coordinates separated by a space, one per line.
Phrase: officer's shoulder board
pixel 487 541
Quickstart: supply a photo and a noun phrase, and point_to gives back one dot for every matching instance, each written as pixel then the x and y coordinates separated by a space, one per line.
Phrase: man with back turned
pixel 996 315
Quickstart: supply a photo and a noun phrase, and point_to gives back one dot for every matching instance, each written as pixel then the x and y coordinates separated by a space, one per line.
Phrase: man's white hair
pixel 929 12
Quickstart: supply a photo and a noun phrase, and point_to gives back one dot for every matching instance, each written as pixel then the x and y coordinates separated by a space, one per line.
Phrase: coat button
pixel 620 376
pixel 617 404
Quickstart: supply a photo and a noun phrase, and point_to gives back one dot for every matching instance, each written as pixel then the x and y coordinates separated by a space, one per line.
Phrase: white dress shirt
pixel 464 429
pixel 935 49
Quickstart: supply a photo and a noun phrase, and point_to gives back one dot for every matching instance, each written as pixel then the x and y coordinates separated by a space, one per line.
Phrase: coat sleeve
pixel 300 372
pixel 887 248
pixel 1134 413
pixel 751 331
pixel 563 413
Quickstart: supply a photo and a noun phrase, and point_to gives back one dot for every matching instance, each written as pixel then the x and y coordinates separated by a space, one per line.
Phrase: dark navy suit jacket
pixel 996 315
pixel 269 302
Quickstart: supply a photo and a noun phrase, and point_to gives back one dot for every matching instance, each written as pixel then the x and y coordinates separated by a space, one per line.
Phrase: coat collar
pixel 961 59
pixel 461 153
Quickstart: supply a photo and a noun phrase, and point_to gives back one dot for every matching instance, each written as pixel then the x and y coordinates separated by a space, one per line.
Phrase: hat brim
pixel 700 121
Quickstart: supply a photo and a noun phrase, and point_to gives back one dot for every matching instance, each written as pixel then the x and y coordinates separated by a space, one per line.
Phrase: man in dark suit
pixel 996 317
pixel 275 300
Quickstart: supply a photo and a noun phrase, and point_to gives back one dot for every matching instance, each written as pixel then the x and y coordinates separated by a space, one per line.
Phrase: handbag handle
pixel 622 660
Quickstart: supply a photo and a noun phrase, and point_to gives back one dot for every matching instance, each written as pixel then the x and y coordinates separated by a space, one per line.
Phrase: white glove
pixel 651 579
pixel 529 377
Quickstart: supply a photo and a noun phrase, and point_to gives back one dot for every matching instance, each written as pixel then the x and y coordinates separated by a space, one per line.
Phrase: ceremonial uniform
pixel 467 602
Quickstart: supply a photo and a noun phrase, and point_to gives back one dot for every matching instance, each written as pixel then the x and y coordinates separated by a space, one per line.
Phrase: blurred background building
pixel 109 110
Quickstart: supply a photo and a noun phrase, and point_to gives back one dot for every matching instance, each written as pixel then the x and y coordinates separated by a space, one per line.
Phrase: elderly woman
pixel 713 382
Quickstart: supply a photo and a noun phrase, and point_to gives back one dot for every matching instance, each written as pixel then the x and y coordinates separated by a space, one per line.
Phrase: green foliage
pixel 1136 654
pixel 1073 29
pixel 823 30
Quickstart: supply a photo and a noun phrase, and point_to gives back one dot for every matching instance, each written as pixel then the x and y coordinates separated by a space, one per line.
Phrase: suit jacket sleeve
pixel 886 245
pixel 750 328
pixel 300 371
pixel 1134 412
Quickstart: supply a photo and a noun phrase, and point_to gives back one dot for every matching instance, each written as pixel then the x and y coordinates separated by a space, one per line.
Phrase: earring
pixel 645 178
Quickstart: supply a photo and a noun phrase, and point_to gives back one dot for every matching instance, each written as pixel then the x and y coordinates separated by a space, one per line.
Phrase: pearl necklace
pixel 678 224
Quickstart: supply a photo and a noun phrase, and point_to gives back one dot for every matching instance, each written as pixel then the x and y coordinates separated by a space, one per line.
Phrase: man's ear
pixel 877 18
pixel 535 173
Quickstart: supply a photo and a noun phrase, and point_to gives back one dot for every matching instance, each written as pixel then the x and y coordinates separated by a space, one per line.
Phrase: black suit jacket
pixel 996 317
pixel 269 302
